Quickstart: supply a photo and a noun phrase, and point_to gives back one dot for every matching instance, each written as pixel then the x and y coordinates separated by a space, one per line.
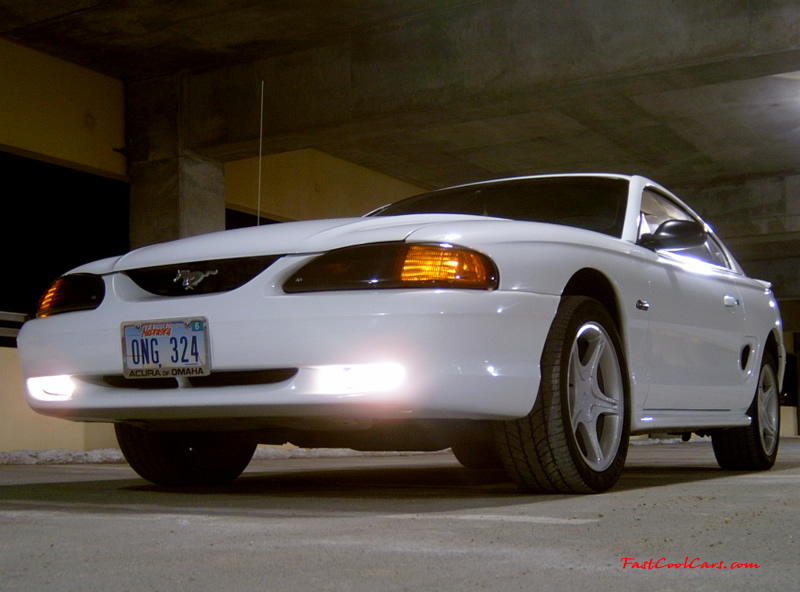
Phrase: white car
pixel 532 324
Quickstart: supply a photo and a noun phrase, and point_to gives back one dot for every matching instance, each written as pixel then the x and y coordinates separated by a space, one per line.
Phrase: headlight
pixel 80 291
pixel 396 265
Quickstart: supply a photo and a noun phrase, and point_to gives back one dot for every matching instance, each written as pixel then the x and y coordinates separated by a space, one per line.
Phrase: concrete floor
pixel 417 522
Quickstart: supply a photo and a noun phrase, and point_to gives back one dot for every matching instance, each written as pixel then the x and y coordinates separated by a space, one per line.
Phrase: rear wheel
pixel 575 439
pixel 185 458
pixel 755 447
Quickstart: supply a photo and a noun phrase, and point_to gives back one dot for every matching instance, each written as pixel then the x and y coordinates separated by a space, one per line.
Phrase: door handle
pixel 730 301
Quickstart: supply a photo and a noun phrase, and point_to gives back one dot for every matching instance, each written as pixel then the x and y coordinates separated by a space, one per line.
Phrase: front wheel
pixel 755 447
pixel 185 458
pixel 575 439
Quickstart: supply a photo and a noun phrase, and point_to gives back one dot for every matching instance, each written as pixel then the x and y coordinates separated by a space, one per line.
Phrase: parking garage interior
pixel 127 124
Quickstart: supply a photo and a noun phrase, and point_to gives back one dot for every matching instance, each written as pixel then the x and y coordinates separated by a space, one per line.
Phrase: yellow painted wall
pixel 60 113
pixel 306 184
pixel 23 429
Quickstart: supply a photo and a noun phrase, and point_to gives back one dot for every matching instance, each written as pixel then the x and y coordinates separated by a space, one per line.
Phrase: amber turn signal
pixel 436 263
pixel 80 291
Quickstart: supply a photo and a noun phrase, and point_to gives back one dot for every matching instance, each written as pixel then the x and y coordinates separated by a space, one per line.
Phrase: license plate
pixel 174 347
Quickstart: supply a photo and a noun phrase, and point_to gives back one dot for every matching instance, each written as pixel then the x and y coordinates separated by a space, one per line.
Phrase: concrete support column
pixel 175 193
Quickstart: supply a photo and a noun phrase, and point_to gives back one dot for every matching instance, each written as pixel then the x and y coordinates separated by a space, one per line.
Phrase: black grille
pixel 200 277
pixel 215 379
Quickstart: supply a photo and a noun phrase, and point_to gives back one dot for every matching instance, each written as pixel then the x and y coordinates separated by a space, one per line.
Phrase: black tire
pixel 185 458
pixel 755 447
pixel 575 439
pixel 477 455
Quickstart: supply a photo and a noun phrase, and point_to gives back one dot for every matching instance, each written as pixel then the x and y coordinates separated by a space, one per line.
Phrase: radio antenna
pixel 260 150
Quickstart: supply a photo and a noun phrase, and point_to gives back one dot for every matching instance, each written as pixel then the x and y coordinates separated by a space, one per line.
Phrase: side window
pixel 657 209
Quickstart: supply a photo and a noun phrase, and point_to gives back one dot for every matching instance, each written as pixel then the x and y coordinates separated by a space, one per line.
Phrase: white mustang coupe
pixel 532 324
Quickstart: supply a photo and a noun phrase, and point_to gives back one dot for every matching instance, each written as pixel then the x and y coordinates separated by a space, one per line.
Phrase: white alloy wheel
pixel 575 439
pixel 768 409
pixel 596 396
pixel 754 447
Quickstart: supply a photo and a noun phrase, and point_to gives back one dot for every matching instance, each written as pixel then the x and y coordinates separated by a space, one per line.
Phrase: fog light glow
pixel 360 378
pixel 51 388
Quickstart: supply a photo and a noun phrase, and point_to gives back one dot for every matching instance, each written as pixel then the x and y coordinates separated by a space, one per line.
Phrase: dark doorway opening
pixel 53 219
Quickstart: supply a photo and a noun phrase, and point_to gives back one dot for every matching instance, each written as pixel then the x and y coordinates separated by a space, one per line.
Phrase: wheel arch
pixel 775 347
pixel 592 283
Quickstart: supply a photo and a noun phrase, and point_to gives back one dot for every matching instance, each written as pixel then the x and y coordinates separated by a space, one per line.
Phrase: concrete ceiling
pixel 140 39
pixel 447 91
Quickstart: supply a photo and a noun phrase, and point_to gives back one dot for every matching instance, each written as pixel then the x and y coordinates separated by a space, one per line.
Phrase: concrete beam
pixel 490 59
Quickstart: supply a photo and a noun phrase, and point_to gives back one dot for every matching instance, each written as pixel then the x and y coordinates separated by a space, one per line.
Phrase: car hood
pixel 312 236
pixel 317 236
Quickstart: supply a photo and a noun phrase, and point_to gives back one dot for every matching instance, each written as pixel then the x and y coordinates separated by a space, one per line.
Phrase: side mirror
pixel 675 234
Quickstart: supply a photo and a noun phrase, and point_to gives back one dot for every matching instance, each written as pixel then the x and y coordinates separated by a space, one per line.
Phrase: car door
pixel 696 331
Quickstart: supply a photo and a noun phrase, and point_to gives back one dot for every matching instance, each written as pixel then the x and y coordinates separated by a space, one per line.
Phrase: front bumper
pixel 405 354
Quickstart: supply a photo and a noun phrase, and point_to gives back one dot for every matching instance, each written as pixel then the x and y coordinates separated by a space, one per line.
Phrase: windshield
pixel 592 203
